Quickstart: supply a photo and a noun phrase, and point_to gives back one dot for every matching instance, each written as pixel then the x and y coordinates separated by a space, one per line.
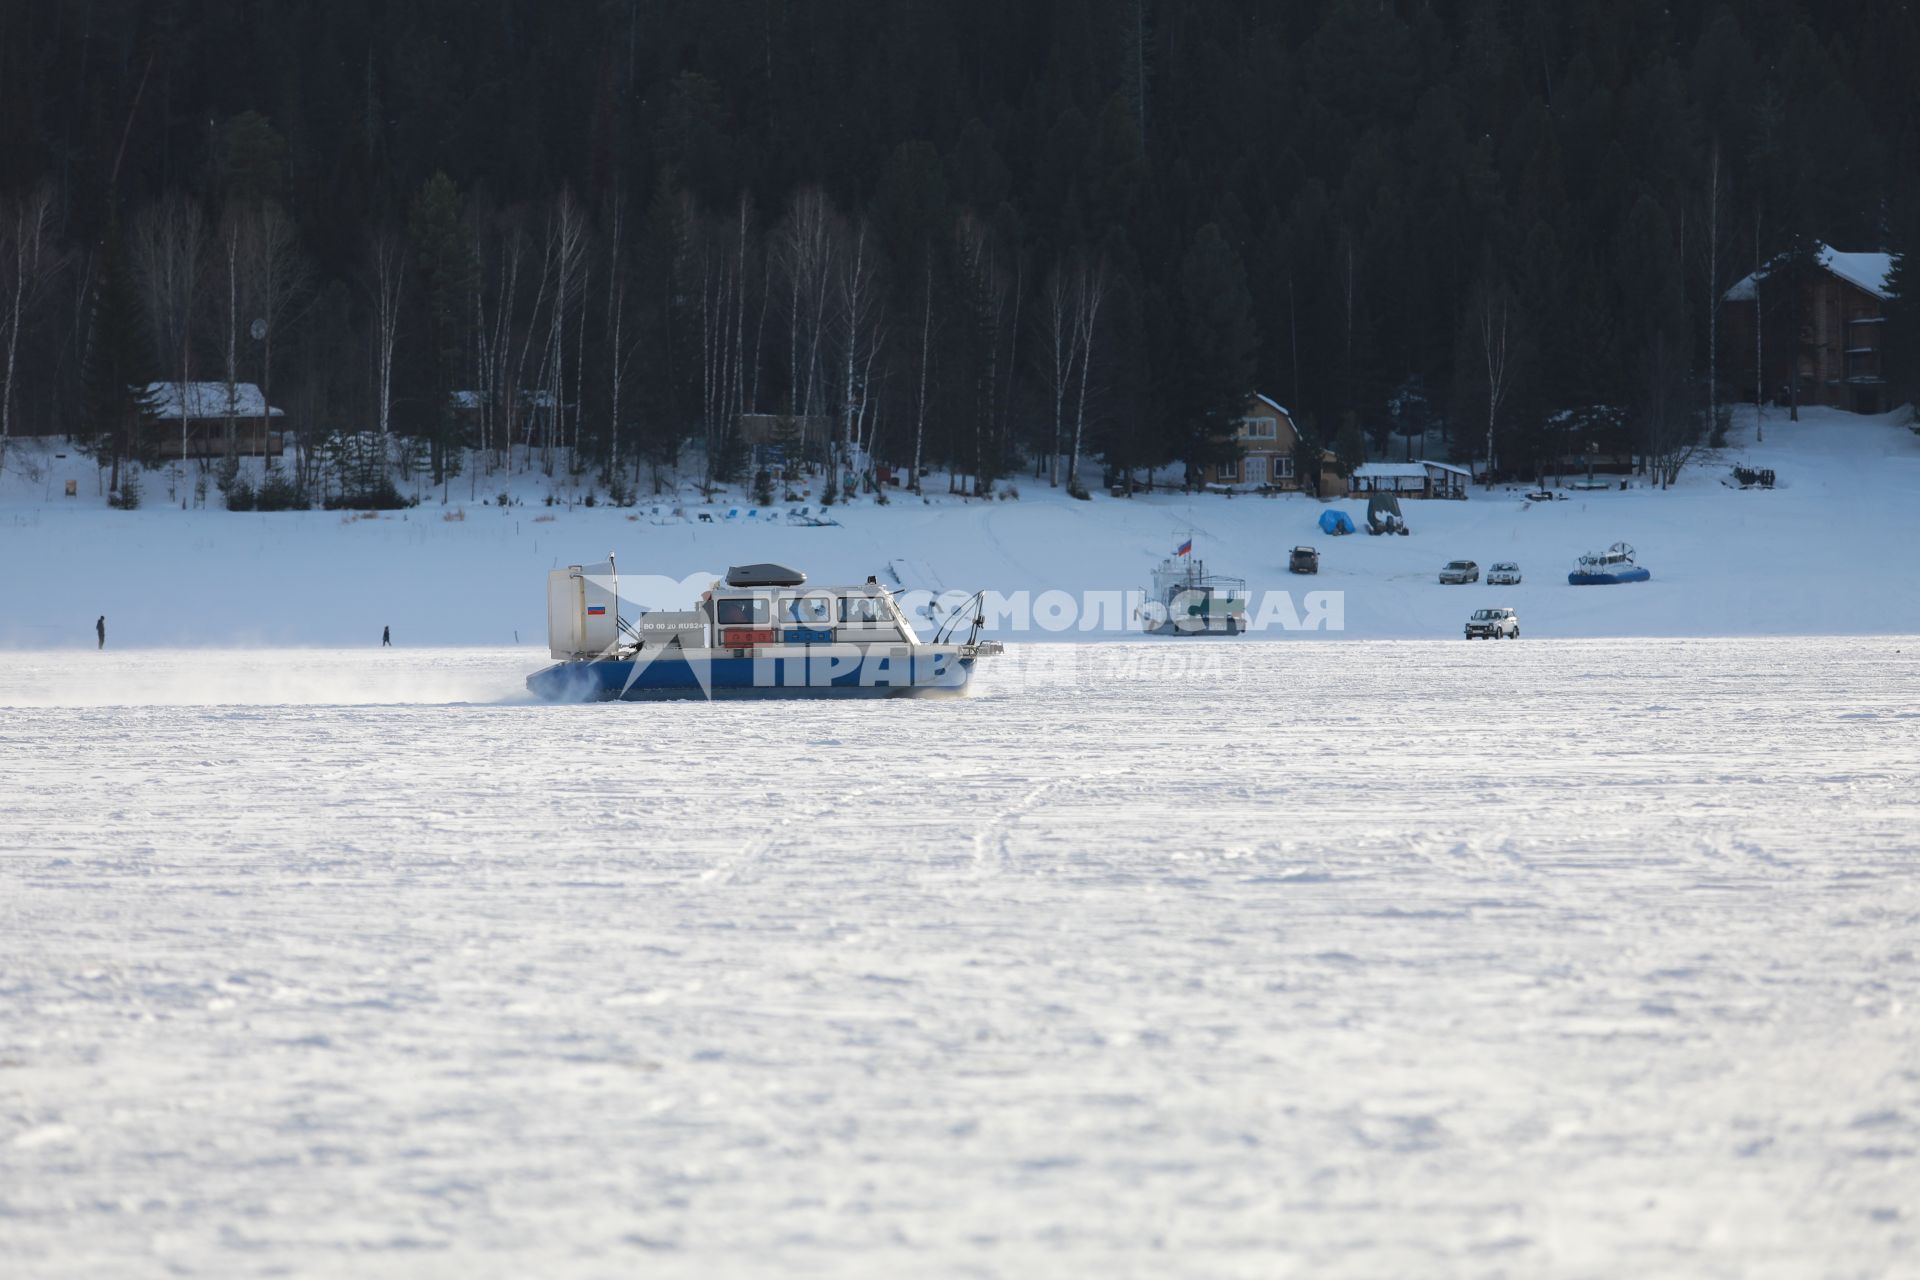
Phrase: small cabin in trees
pixel 192 420
pixel 1266 437
pixel 1835 357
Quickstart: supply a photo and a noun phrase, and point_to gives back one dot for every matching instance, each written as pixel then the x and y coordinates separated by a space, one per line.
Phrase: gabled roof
pixel 1271 403
pixel 208 400
pixel 1868 271
pixel 1391 470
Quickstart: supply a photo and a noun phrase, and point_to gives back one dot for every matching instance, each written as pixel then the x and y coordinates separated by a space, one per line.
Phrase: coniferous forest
pixel 988 237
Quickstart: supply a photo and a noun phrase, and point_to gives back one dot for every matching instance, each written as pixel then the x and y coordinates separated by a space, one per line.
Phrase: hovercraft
pixel 759 633
pixel 1604 568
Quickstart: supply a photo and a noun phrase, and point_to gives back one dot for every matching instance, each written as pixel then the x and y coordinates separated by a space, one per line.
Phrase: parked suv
pixel 1459 571
pixel 1303 560
pixel 1493 624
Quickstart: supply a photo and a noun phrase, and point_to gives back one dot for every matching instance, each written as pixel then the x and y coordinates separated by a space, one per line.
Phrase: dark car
pixel 1303 560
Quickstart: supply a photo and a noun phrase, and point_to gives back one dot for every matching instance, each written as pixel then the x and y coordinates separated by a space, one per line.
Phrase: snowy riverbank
pixel 1822 554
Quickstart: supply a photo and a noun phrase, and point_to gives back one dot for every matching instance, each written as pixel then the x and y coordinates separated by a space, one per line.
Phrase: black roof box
pixel 764 575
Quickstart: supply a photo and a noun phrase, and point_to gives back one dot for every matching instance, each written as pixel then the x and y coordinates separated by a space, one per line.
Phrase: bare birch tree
pixel 277 279
pixel 861 308
pixel 230 251
pixel 387 259
pixel 567 230
pixel 615 323
pixel 1092 285
pixel 170 249
pixel 1057 299
pixel 1493 323
pixel 28 263
pixel 925 371
pixel 806 243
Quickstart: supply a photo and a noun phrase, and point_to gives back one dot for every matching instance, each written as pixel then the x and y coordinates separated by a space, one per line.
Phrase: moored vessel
pixel 1604 568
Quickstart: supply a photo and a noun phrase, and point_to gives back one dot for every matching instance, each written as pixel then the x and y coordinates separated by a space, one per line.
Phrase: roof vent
pixel 764 575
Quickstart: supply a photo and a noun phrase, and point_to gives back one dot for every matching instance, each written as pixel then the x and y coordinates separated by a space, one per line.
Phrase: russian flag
pixel 1186 548
pixel 596 611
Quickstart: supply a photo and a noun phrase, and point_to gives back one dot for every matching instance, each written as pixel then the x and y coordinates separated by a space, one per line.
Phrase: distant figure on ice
pixel 100 629
pixel 386 637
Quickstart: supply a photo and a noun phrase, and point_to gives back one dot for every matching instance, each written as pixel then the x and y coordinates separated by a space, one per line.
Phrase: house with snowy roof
pixel 1264 440
pixel 200 419
pixel 1837 301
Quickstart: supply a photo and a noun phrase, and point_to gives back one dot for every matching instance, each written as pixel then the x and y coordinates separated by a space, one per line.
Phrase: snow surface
pixel 1557 958
pixel 1826 553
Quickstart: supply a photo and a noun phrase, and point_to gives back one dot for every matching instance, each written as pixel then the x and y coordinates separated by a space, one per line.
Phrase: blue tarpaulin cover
pixel 1335 522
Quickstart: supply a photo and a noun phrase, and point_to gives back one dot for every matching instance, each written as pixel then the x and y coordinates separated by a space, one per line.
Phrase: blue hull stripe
pixel 786 676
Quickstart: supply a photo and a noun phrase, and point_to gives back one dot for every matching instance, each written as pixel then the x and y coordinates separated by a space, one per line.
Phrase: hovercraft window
pixel 861 609
pixel 811 611
pixel 747 612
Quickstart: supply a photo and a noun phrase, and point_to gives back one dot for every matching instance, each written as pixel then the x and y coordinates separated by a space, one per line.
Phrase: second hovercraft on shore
pixel 1604 568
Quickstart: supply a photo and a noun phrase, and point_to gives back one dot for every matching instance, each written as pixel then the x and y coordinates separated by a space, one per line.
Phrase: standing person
pixel 386 637
pixel 100 629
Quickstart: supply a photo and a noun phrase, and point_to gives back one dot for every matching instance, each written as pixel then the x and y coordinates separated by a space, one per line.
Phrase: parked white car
pixel 1504 574
pixel 1493 624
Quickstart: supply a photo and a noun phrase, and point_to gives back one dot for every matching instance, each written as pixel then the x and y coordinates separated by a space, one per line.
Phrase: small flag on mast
pixel 1186 548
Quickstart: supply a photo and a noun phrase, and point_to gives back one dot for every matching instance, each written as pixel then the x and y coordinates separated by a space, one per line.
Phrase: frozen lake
pixel 1202 958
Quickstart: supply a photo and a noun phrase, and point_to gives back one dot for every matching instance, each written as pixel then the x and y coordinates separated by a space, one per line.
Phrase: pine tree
pixel 1900 344
pixel 1216 344
pixel 1349 446
pixel 444 259
pixel 119 407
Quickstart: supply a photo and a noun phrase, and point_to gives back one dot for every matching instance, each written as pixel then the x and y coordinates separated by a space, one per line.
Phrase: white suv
pixel 1493 624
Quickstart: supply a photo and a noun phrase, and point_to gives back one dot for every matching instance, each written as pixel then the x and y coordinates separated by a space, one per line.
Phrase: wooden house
pixel 191 420
pixel 1835 358
pixel 1265 439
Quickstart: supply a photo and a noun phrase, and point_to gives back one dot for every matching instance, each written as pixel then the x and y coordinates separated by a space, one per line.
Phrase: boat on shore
pixel 759 633
pixel 1604 568
pixel 1186 600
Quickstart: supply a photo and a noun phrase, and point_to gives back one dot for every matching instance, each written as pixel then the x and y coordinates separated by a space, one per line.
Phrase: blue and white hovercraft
pixel 760 633
pixel 1604 568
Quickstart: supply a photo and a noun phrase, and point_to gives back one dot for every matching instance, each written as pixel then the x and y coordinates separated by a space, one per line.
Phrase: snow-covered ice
pixel 1558 958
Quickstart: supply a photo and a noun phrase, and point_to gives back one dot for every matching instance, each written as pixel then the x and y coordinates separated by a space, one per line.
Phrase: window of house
pixel 1230 470
pixel 1259 428
pixel 1283 467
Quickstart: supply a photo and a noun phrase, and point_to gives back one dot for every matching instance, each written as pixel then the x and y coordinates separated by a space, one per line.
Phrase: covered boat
pixel 1603 568
pixel 762 632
